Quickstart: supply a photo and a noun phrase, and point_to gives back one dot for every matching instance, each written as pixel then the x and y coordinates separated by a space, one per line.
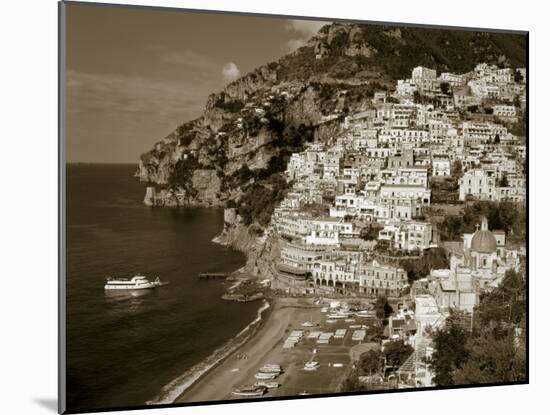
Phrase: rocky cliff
pixel 261 250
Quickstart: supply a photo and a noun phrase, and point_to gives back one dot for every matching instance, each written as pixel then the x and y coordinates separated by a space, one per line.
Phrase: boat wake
pixel 170 392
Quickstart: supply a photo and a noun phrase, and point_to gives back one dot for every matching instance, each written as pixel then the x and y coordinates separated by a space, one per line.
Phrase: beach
pixel 265 345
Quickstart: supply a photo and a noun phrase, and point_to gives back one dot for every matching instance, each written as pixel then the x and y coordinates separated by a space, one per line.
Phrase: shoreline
pixel 186 386
pixel 171 392
pixel 263 345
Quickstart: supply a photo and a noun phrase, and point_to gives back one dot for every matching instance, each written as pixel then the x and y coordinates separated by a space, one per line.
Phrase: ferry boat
pixel 249 390
pixel 137 282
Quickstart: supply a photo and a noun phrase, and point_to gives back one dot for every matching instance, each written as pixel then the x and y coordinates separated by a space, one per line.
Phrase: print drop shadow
pixel 48 403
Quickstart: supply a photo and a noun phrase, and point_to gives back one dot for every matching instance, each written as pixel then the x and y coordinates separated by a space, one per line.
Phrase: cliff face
pixel 261 251
pixel 234 151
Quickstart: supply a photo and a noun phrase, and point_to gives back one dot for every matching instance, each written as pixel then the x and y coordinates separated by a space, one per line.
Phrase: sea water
pixel 124 348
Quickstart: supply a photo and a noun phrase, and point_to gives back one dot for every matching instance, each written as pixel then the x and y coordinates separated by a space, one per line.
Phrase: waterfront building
pixel 379 279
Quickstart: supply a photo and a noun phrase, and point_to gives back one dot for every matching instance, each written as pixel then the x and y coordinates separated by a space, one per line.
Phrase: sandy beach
pixel 265 346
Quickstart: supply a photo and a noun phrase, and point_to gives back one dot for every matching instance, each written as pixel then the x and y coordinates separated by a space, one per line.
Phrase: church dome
pixel 483 240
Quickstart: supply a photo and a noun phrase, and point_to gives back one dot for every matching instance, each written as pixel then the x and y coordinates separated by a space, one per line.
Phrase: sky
pixel 133 75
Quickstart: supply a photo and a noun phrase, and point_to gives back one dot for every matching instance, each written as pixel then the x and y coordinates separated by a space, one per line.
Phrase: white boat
pixel 138 282
pixel 331 320
pixel 365 313
pixel 249 390
pixel 307 324
pixel 338 315
pixel 266 376
pixel 268 385
pixel 271 369
pixel 311 366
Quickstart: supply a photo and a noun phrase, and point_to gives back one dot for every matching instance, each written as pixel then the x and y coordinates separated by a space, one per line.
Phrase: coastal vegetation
pixel 445 190
pixel 264 188
pixel 506 216
pixel 432 258
pixel 382 308
pixel 370 232
pixel 488 347
pixel 373 366
pixel 244 291
pixel 260 198
pixel 182 175
pixel 230 105
pixel 392 52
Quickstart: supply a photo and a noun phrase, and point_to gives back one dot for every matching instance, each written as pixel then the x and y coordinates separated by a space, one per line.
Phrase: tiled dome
pixel 484 241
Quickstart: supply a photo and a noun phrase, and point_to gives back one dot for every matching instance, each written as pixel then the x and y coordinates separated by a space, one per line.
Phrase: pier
pixel 213 275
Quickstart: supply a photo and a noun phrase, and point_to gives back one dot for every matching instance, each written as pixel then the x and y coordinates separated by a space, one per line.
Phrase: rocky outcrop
pixel 207 183
pixel 261 251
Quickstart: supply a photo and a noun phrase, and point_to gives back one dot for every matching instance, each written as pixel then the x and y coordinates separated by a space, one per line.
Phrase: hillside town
pixel 394 228
pixel 365 206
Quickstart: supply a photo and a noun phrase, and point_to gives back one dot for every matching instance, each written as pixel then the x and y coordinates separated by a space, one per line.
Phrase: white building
pixel 477 183
pixel 441 167
pixel 504 110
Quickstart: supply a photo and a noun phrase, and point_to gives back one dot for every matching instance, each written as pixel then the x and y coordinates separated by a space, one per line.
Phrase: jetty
pixel 213 275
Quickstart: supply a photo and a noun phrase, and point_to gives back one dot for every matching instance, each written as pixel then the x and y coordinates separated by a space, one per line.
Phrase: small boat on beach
pixel 266 376
pixel 271 368
pixel 311 366
pixel 268 385
pixel 366 313
pixel 137 282
pixel 339 315
pixel 250 391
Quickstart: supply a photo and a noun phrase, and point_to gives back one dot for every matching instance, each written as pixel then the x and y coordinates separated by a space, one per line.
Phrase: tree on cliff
pixel 383 308
pixel 370 362
pixel 450 350
pixel 182 175
pixel 495 350
pixel 492 359
pixel 396 352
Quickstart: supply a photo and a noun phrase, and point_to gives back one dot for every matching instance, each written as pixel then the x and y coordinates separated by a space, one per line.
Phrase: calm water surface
pixel 121 349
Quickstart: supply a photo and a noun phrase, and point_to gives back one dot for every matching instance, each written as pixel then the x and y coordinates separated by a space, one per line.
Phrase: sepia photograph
pixel 264 207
